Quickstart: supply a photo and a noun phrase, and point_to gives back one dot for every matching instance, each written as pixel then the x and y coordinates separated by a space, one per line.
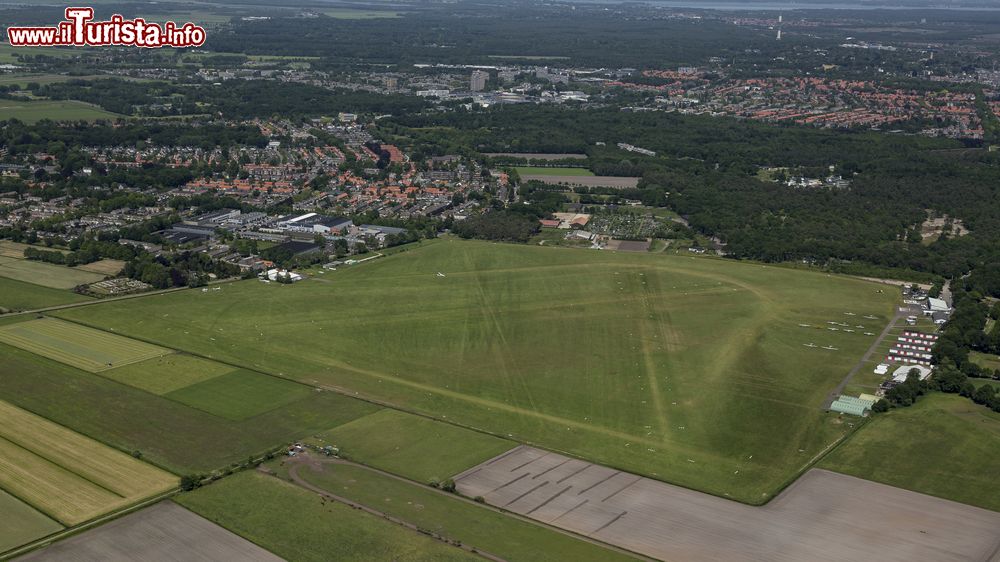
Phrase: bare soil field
pixel 586 181
pixel 629 245
pixel 163 532
pixel 822 516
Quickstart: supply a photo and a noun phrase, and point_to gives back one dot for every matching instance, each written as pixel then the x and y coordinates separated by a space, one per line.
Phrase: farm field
pixel 944 445
pixel 545 171
pixel 61 110
pixel 167 373
pixel 298 525
pixel 22 523
pixel 45 274
pixel 240 394
pixel 67 476
pixel 177 437
pixel 78 346
pixel 537 155
pixel 985 360
pixel 103 267
pixel 687 369
pixel 165 531
pixel 405 444
pixel 484 528
pixel 11 249
pixel 18 295
pixel 24 79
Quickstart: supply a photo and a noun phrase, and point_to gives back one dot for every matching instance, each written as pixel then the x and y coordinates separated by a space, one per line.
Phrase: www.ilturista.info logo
pixel 78 30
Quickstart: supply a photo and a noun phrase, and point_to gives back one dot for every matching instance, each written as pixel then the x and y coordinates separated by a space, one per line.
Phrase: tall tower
pixel 478 81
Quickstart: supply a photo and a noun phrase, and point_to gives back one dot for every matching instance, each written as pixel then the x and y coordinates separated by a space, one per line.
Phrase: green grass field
pixel 544 171
pixel 78 346
pixel 67 476
pixel 691 370
pixel 56 110
pixel 986 360
pixel 179 438
pixel 18 295
pixel 353 14
pixel 945 446
pixel 22 523
pixel 240 394
pixel 415 447
pixel 298 525
pixel 24 79
pixel 167 373
pixel 45 274
pixel 479 526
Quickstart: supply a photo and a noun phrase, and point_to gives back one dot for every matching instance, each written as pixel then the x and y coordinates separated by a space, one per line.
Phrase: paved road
pixel 861 363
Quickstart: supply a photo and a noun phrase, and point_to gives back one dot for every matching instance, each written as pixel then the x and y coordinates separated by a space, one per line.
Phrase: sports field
pixel 18 295
pixel 79 346
pixel 45 274
pixel 65 475
pixel 546 171
pixel 299 525
pixel 704 372
pixel 944 445
pixel 61 110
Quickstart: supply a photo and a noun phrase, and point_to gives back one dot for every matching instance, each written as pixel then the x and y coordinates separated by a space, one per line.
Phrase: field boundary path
pixel 823 516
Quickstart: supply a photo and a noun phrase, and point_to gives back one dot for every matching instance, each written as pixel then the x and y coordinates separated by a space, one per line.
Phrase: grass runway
pixel 691 370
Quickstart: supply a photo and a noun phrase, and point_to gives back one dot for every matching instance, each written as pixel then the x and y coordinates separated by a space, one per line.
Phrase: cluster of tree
pixel 499 225
pixel 83 252
pixel 183 269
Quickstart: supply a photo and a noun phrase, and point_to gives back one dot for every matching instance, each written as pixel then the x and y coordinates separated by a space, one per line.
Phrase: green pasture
pixel 546 171
pixel 22 523
pixel 240 394
pixel 167 373
pixel 945 446
pixel 985 360
pixel 56 110
pixel 691 370
pixel 299 525
pixel 415 447
pixel 78 346
pixel 18 295
pixel 172 435
pixel 44 274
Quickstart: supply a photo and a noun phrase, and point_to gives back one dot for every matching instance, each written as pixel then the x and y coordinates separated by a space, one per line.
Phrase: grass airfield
pixel 689 370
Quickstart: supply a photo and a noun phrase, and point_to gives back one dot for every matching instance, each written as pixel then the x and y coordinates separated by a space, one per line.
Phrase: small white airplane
pixel 860 326
pixel 871 317
pixel 833 329
pixel 869 333
pixel 440 274
pixel 805 326
pixel 809 344
pixel 849 313
pixel 831 348
pixel 846 330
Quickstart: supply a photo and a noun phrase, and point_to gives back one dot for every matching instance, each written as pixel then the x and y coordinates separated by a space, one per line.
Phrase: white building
pixel 900 374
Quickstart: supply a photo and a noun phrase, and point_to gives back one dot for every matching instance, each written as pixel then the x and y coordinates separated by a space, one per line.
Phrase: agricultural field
pixel 240 394
pixel 177 437
pixel 985 360
pixel 408 445
pixel 22 523
pixel 945 445
pixel 164 531
pixel 480 526
pixel 298 525
pixel 25 79
pixel 167 373
pixel 18 295
pixel 78 346
pixel 61 110
pixel 692 370
pixel 103 267
pixel 546 171
pixel 10 249
pixel 45 274
pixel 67 476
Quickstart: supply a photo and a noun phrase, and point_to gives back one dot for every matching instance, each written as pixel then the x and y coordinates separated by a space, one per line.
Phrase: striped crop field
pixel 67 476
pixel 78 346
